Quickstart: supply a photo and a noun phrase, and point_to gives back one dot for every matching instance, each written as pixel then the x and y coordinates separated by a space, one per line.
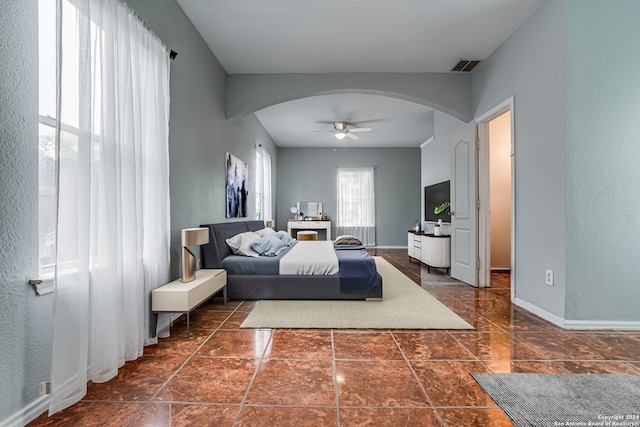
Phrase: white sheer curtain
pixel 263 182
pixel 356 204
pixel 112 191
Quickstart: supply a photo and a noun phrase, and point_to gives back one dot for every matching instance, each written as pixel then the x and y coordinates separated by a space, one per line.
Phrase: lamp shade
pixel 195 236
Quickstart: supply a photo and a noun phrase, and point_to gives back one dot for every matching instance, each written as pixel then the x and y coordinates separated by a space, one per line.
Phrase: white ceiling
pixel 326 36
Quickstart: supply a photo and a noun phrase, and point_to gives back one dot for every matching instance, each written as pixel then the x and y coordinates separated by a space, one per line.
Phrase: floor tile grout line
pixel 335 377
pixel 164 384
pixel 415 376
pixel 259 363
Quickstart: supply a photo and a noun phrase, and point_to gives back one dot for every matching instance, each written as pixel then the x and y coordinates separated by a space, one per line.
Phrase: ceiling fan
pixel 342 130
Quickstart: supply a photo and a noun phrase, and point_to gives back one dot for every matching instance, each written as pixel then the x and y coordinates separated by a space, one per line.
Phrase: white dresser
pixel 434 251
pixel 294 225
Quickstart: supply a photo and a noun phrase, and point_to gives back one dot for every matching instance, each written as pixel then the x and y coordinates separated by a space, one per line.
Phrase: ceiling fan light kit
pixel 341 130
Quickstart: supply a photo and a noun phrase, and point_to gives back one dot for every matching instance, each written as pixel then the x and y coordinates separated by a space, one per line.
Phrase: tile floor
pixel 224 376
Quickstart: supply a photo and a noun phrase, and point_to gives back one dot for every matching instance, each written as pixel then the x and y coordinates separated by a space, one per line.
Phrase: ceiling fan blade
pixel 360 130
pixel 352 136
pixel 327 130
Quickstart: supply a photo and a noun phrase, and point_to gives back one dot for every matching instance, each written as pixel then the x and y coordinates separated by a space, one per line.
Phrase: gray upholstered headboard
pixel 217 249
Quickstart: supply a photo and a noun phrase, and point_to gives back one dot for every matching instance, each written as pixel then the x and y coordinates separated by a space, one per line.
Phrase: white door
pixel 463 206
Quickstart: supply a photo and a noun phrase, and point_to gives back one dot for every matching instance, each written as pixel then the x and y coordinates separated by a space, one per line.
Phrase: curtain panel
pixel 112 238
pixel 356 204
pixel 263 182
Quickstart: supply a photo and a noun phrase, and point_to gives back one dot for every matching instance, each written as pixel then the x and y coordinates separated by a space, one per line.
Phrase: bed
pixel 256 278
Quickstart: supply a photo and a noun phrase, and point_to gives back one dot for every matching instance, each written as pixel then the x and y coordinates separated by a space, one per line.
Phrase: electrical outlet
pixel 548 277
pixel 46 387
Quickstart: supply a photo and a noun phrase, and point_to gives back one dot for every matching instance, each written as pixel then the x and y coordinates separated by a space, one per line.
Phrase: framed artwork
pixel 237 183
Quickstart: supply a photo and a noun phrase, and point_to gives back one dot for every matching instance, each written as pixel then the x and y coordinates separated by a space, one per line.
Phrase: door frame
pixel 484 227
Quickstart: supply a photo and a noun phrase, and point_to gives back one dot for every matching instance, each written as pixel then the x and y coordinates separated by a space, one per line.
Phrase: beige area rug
pixel 405 305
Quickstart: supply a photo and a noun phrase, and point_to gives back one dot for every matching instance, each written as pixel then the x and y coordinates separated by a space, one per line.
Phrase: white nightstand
pixel 179 297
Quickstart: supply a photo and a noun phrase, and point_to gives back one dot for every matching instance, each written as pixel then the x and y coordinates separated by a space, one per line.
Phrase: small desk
pixel 293 225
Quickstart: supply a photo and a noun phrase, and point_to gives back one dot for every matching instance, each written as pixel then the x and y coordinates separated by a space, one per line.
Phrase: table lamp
pixel 191 237
pixel 271 223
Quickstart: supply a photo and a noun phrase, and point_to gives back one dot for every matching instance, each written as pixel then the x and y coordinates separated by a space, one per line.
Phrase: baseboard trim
pixel 27 414
pixel 603 324
pixel 619 325
pixel 556 320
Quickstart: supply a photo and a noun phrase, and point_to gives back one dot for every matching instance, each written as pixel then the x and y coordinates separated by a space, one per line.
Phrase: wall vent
pixel 465 65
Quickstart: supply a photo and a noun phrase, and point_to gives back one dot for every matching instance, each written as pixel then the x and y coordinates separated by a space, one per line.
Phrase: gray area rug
pixel 556 400
pixel 405 305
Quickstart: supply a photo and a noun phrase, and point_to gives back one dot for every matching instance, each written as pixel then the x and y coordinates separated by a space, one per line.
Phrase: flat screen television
pixel 434 196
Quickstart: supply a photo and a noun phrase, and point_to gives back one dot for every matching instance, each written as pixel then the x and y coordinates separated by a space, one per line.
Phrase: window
pixel 263 184
pixel 356 204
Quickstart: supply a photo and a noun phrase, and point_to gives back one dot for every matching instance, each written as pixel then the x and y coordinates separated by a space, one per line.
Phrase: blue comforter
pixel 357 268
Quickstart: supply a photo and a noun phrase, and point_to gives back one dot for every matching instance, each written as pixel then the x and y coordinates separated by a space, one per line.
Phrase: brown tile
pixel 479 322
pixel 617 346
pixel 249 343
pixel 202 319
pixel 595 367
pixel 179 342
pixel 105 414
pixel 139 379
pixel 560 346
pixel 474 417
pixel 247 306
pixel 485 303
pixel 518 320
pixel 377 383
pixel 391 417
pixel 526 366
pixel 235 320
pixel 293 382
pixel 361 345
pixel 425 345
pixel 495 346
pixel 449 383
pixel 179 415
pixel 212 380
pixel 300 344
pixel 217 304
pixel 287 416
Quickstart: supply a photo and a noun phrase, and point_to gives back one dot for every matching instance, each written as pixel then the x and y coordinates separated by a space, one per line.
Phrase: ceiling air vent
pixel 465 65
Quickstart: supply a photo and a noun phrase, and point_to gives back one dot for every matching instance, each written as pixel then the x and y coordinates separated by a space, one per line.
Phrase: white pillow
pixel 265 232
pixel 240 244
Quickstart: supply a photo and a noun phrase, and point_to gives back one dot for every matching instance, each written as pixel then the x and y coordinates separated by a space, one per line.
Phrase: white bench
pixel 179 297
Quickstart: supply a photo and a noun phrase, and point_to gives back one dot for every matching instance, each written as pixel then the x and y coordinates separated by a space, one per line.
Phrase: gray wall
pixel 25 333
pixel 576 133
pixel 530 66
pixel 448 92
pixel 436 158
pixel 309 174
pixel 603 148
